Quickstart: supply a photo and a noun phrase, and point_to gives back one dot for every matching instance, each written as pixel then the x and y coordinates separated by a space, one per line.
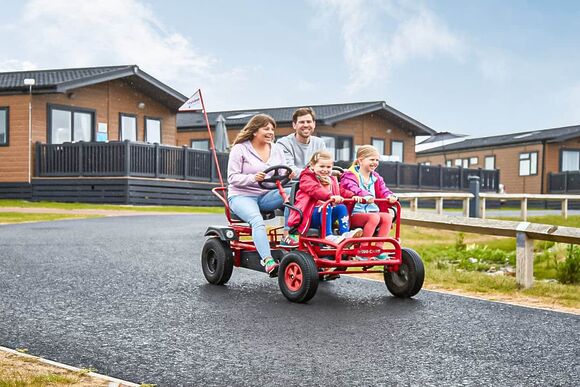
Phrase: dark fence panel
pixel 133 159
pixel 564 182
pixel 430 176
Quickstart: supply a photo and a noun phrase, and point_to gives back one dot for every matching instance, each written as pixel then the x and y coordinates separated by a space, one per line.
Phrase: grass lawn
pixel 19 217
pixel 115 207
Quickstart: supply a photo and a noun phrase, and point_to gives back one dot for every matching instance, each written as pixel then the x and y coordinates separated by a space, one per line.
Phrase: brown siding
pixel 14 157
pixel 506 160
pixel 361 129
pixel 106 99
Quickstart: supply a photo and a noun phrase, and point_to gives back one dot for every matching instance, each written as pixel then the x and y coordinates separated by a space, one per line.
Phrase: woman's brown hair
pixel 255 123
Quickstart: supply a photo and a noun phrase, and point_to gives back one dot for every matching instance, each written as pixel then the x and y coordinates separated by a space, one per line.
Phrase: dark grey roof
pixel 535 136
pixel 325 115
pixel 64 80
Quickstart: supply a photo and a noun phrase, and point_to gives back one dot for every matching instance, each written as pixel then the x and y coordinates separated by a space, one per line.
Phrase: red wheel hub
pixel 293 276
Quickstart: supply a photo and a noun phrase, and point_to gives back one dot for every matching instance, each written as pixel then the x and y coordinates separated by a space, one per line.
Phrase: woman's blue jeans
pixel 334 213
pixel 248 209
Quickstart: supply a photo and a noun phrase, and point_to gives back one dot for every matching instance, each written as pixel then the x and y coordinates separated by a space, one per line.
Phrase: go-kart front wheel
pixel 298 276
pixel 217 261
pixel 408 280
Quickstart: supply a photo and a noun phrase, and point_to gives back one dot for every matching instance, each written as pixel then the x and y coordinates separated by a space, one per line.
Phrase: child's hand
pixel 292 175
pixel 370 199
pixel 357 199
pixel 392 198
pixel 337 198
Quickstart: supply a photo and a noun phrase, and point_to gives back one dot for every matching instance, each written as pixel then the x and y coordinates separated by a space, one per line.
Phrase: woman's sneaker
pixel 356 233
pixel 334 238
pixel 270 265
pixel 289 240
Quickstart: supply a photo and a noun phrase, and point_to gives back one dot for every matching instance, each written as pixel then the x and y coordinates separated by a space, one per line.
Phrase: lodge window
pixel 379 143
pixel 339 146
pixel 570 160
pixel 127 127
pixel 68 124
pixel 153 130
pixel 200 144
pixel 473 160
pixel 3 126
pixel 528 163
pixel 462 163
pixel 489 162
pixel 397 150
pixel 448 163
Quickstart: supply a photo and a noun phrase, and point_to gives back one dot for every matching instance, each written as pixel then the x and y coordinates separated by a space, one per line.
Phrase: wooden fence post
pixel 466 207
pixel 127 158
pixel 185 163
pixel 565 208
pixel 524 212
pixel 524 258
pixel 482 208
pixel 439 205
pixel 414 204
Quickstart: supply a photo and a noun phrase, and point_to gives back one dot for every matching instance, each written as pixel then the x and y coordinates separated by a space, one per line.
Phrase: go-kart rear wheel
pixel 408 280
pixel 217 261
pixel 298 276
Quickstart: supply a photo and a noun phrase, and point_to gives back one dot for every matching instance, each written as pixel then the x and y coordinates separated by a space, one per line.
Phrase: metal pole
pixel 474 202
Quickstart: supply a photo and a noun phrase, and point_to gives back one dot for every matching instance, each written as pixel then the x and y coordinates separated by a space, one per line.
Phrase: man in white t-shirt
pixel 299 147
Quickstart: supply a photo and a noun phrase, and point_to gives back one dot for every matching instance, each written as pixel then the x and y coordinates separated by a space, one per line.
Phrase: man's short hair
pixel 302 112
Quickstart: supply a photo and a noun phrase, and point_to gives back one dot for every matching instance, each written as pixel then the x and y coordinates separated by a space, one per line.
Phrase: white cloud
pixel 380 35
pixel 65 34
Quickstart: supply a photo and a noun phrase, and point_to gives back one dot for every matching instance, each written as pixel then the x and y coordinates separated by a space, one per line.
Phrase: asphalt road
pixel 126 296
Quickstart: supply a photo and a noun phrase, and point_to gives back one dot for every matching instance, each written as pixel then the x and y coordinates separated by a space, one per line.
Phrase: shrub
pixel 569 270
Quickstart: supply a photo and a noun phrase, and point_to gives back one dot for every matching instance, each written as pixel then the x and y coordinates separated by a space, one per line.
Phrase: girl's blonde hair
pixel 316 157
pixel 320 155
pixel 255 123
pixel 363 152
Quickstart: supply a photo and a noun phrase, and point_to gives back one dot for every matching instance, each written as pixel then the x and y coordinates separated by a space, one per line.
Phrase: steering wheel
pixel 270 182
pixel 337 171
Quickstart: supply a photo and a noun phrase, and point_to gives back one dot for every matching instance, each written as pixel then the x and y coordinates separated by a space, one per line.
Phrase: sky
pixel 477 67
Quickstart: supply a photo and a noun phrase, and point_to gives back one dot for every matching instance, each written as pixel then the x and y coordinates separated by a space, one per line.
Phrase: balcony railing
pixel 564 182
pixel 91 159
pixel 433 177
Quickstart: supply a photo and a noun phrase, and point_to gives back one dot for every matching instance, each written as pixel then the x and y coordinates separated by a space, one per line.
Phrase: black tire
pixel 217 261
pixel 298 276
pixel 408 280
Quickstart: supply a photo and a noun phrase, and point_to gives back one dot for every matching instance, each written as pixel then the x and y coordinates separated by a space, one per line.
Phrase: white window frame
pixel 4 125
pixel 486 164
pixel 151 137
pixel 206 142
pixel 122 130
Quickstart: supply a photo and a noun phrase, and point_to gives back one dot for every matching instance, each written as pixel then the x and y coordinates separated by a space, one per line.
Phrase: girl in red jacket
pixel 317 185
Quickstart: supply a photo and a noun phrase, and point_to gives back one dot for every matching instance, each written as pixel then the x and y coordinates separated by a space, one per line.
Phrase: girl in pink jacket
pixel 362 180
pixel 316 186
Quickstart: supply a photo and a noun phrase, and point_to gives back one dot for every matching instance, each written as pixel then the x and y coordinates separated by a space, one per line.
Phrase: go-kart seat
pixel 265 215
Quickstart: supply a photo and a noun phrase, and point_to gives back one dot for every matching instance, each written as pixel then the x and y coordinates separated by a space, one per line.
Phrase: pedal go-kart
pixel 303 266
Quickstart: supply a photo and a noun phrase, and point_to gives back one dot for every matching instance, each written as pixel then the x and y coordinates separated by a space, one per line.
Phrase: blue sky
pixel 478 67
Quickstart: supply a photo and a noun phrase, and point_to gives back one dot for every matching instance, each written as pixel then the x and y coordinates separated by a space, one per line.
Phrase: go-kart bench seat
pixel 265 215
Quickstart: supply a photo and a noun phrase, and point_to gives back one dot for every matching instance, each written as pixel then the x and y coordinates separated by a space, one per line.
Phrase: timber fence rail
pixel 524 232
pixel 524 198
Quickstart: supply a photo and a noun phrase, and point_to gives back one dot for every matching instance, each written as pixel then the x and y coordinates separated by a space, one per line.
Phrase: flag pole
pixel 211 139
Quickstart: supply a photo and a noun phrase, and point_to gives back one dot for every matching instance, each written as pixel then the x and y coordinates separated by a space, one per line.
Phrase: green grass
pixel 89 206
pixel 18 217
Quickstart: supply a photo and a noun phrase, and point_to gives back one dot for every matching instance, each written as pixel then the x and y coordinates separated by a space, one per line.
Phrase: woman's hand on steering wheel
pixel 270 182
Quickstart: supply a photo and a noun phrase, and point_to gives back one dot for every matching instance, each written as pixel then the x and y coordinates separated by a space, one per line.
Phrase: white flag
pixel 192 104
